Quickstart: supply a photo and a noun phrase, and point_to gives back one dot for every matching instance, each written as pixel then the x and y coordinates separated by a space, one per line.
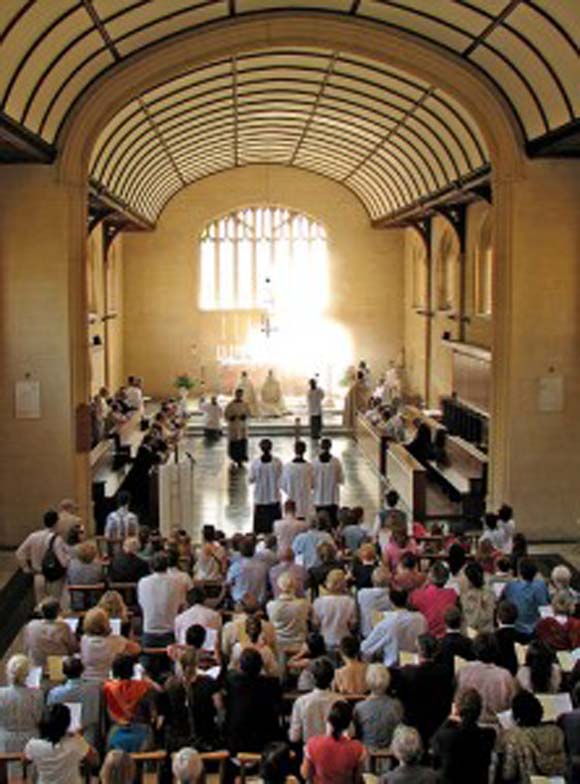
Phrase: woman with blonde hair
pixel 335 613
pixel 20 706
pixel 289 615
pixel 376 717
pixel 99 647
pixel 118 768
pixel 363 565
pixel 114 605
pixel 187 766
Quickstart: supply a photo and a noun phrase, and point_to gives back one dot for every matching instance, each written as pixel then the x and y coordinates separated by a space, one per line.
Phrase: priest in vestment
pixel 249 393
pixel 237 414
pixel 356 400
pixel 272 399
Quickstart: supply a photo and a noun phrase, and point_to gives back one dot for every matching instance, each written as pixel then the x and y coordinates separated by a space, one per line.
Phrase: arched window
pixel 262 257
pixel 484 268
pixel 446 272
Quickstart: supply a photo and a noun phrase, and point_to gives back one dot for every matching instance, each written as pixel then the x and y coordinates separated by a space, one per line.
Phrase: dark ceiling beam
pixel 562 142
pixel 18 145
pixel 104 206
pixel 468 189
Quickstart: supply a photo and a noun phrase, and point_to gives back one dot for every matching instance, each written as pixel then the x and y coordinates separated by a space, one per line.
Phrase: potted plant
pixel 185 384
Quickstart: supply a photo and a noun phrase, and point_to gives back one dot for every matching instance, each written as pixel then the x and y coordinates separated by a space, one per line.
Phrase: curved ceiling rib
pixel 390 138
pixel 52 50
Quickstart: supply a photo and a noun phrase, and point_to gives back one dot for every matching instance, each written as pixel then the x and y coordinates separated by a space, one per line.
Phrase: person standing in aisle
pixel 297 479
pixel 314 398
pixel 237 414
pixel 328 477
pixel 265 475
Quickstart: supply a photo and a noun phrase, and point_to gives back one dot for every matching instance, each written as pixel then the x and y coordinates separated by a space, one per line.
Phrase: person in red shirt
pixel 434 599
pixel 334 758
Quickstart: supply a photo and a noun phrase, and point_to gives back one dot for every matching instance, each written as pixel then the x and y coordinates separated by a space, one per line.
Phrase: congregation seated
pixel 21 706
pixel 84 568
pixel 48 635
pixel 368 637
pixel 99 646
pixel 76 690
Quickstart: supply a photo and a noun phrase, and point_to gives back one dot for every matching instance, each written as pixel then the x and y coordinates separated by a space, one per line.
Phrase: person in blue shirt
pixel 528 594
pixel 305 545
pixel 248 574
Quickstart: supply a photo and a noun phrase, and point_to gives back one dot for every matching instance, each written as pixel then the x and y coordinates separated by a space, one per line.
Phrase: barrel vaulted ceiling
pixel 388 136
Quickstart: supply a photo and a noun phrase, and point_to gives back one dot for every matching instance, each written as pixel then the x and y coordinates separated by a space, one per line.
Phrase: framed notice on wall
pixel 27 399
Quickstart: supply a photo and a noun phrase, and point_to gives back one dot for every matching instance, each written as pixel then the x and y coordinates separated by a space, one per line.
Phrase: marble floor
pixel 223 497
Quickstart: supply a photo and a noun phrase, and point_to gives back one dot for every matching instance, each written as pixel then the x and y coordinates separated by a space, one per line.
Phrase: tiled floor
pixel 223 497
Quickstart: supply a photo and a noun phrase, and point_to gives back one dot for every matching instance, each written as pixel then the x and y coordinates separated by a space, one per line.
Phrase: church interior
pixel 196 189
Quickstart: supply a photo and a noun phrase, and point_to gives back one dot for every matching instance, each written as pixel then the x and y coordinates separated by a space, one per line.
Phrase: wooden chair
pixel 247 760
pixel 90 594
pixel 378 756
pixel 151 759
pixel 219 757
pixel 17 758
pixel 127 590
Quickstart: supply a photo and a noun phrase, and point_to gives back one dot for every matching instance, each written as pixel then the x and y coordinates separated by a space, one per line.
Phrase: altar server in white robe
pixel 328 477
pixel 250 398
pixel 297 479
pixel 272 402
pixel 265 475
pixel 212 417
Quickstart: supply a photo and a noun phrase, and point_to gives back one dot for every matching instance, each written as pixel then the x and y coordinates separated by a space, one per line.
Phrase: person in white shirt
pixel 288 528
pixel 265 475
pixel 134 395
pixel 335 613
pixel 183 582
pixel 160 604
pixel 212 417
pixel 327 478
pixel 197 613
pixel 506 524
pixel 56 755
pixel 314 398
pixel 31 553
pixel 121 523
pixel 297 479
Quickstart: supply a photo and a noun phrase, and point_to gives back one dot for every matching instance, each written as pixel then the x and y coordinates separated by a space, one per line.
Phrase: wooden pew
pixel 372 443
pixel 409 478
pixel 412 414
pixel 464 473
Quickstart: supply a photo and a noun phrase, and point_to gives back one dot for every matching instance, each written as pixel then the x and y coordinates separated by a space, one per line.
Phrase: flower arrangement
pixel 185 381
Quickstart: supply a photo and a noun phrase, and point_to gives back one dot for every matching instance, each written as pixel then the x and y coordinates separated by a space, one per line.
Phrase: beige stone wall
pixel 166 333
pixel 37 455
pixel 537 458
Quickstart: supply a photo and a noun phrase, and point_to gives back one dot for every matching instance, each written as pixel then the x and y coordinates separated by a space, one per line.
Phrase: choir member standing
pixel 265 475
pixel 328 476
pixel 297 479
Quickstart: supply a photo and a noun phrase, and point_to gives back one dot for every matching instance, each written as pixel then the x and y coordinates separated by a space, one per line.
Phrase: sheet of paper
pixel 458 663
pixel 54 667
pixel 547 780
pixel 213 672
pixel 115 625
pixel 210 640
pixel 554 705
pixel 76 714
pixel 34 678
pixel 546 611
pixel 73 623
pixel 471 633
pixel 521 653
pixel 27 400
pixel 498 589
pixel 565 660
pixel 408 658
pixel 299 559
pixel 506 719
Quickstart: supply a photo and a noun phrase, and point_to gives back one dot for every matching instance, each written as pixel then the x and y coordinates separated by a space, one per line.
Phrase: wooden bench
pixel 372 443
pixel 106 446
pixel 412 415
pixel 465 473
pixel 409 478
